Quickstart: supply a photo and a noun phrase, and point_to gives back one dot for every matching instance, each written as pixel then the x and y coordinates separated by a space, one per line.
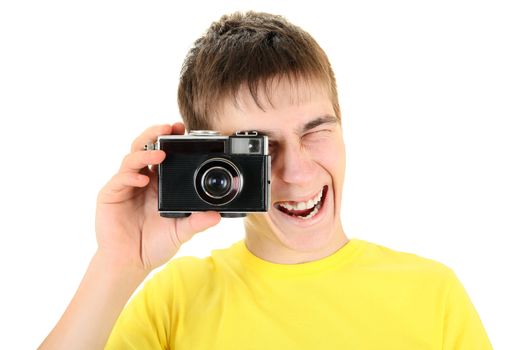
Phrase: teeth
pixel 309 215
pixel 303 205
pixel 286 206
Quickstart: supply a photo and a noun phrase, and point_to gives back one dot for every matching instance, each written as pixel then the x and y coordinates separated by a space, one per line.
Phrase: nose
pixel 294 165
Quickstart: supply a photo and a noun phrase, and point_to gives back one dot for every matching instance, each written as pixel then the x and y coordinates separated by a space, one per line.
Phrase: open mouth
pixel 304 210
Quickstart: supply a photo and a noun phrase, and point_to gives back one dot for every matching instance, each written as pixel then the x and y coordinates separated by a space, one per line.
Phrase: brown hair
pixel 247 49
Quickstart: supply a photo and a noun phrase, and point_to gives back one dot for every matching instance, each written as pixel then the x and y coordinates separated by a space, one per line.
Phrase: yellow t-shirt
pixel 364 296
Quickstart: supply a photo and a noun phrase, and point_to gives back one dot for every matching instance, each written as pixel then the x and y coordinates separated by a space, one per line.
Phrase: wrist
pixel 117 270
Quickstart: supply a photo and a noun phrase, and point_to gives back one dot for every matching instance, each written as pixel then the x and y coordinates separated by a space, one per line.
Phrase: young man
pixel 296 281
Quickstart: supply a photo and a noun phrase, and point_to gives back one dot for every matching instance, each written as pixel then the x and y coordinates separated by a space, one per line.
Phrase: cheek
pixel 331 157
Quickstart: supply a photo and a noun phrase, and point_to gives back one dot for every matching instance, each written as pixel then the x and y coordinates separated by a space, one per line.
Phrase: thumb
pixel 196 222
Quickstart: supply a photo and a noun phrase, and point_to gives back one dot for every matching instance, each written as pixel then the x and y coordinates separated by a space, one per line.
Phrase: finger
pixel 199 221
pixel 122 181
pixel 150 135
pixel 136 161
pixel 178 129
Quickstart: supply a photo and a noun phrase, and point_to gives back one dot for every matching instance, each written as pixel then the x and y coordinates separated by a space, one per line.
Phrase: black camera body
pixel 207 171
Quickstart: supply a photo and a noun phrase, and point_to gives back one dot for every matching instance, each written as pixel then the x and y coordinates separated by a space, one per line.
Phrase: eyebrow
pixel 327 119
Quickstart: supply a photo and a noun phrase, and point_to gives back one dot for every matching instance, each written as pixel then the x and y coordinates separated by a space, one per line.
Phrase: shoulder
pixel 194 271
pixel 186 269
pixel 376 257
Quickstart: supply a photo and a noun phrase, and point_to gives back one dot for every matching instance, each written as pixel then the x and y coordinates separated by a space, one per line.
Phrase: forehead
pixel 279 92
pixel 278 103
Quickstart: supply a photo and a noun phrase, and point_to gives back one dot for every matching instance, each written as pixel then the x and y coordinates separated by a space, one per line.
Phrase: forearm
pixel 101 296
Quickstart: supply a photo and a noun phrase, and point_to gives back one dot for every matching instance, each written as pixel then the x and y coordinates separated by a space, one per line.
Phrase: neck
pixel 265 244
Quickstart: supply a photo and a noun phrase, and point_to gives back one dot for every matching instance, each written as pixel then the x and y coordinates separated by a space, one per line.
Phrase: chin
pixel 301 234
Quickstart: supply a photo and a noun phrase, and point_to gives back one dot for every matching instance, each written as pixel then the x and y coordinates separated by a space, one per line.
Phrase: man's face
pixel 308 163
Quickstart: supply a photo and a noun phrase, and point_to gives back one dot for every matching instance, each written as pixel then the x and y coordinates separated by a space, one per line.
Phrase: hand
pixel 129 229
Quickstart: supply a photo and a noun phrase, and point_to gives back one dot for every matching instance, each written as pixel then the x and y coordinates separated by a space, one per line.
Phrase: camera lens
pixel 217 182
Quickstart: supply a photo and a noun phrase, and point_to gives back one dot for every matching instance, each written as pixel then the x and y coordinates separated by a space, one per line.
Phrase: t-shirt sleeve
pixel 462 326
pixel 147 320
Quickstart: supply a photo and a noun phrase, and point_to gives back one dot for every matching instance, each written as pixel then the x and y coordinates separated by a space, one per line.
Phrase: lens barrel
pixel 218 181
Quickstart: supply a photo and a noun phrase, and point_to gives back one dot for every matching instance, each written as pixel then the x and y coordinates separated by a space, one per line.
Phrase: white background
pixel 432 95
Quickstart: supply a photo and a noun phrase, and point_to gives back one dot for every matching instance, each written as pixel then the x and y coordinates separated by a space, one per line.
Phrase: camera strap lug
pixel 150 147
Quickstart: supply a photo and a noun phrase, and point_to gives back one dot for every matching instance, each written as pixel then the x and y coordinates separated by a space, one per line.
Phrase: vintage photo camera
pixel 208 171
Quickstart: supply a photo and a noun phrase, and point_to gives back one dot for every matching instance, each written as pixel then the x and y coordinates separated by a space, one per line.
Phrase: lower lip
pixel 314 219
